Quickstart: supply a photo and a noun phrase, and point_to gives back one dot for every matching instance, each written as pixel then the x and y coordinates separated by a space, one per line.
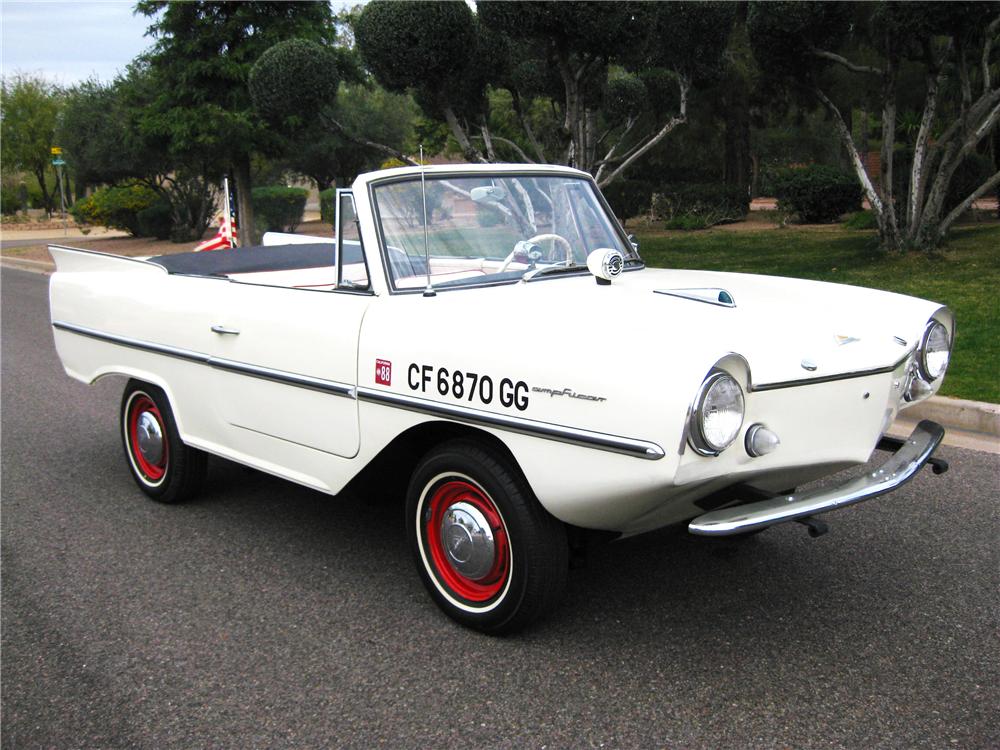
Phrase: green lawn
pixel 965 275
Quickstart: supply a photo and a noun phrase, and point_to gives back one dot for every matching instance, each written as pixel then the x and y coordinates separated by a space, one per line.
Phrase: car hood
pixel 786 329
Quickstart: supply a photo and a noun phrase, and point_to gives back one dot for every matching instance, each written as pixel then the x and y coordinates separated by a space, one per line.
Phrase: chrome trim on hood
pixel 830 378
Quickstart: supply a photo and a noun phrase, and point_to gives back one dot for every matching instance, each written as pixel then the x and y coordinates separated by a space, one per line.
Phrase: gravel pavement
pixel 268 615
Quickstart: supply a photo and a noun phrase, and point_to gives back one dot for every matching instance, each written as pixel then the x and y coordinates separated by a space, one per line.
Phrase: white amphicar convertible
pixel 490 335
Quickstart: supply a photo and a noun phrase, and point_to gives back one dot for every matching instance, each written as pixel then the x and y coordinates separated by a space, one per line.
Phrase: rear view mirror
pixel 488 194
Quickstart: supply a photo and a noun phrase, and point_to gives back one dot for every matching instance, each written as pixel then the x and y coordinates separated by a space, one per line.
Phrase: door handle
pixel 224 330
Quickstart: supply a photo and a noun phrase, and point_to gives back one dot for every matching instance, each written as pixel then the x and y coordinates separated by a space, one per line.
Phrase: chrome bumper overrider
pixel 914 452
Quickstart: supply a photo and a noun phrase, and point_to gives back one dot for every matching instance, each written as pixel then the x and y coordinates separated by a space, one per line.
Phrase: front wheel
pixel 490 556
pixel 162 465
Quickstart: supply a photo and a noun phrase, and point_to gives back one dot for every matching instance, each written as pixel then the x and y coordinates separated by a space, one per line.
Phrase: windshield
pixel 489 228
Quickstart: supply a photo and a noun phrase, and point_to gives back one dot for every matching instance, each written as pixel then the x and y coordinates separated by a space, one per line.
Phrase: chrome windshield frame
pixel 631 264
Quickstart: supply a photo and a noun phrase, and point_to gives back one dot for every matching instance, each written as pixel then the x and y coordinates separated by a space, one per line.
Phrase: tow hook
pixel 816 527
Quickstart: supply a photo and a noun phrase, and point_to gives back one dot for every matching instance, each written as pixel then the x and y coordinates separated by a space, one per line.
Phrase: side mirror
pixel 488 194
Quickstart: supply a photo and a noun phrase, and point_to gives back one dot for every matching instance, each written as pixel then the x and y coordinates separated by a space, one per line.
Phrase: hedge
pixel 328 205
pixel 277 208
pixel 817 193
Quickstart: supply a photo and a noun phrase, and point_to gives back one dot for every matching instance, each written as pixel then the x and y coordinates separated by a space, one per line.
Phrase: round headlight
pixel 718 414
pixel 935 351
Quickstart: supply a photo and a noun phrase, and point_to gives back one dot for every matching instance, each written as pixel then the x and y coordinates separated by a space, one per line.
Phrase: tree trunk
pixel 888 232
pixel 246 229
pixel 470 152
pixel 46 196
pixel 736 166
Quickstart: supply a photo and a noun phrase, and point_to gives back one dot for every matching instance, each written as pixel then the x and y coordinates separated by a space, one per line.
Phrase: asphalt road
pixel 267 615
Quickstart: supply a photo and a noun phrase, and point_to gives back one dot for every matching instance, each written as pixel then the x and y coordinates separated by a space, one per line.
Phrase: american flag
pixel 225 238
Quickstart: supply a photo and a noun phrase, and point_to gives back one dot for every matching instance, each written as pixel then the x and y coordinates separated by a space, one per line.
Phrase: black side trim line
pixel 264 373
pixel 586 438
pixel 601 441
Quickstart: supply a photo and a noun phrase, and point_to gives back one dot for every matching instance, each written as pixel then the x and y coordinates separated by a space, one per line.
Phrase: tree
pixel 111 135
pixel 562 53
pixel 30 109
pixel 300 64
pixel 952 45
pixel 328 156
pixel 202 58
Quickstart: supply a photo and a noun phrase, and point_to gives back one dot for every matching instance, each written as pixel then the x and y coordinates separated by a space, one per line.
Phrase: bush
pixel 629 198
pixel 328 205
pixel 10 201
pixel 278 208
pixel 116 208
pixel 861 220
pixel 817 193
pixel 156 221
pixel 700 205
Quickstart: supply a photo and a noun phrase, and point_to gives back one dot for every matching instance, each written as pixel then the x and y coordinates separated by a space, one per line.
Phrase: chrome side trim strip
pixel 899 469
pixel 613 443
pixel 280 376
pixel 147 346
pixel 548 431
pixel 242 368
pixel 829 378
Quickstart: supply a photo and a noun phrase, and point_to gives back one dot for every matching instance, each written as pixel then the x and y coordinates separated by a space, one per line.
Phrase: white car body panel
pixel 608 372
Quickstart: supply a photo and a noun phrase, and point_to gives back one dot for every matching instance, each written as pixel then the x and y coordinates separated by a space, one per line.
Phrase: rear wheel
pixel 164 467
pixel 488 553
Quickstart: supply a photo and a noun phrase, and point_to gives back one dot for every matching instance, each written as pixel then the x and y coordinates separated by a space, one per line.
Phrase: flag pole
pixel 228 212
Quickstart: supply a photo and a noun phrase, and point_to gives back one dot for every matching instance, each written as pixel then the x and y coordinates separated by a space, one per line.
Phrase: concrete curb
pixel 958 414
pixel 26 264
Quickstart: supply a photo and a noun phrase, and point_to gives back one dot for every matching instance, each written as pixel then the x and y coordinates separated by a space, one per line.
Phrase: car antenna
pixel 429 290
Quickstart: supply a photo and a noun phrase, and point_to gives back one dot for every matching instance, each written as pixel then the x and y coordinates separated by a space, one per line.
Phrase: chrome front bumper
pixel 913 453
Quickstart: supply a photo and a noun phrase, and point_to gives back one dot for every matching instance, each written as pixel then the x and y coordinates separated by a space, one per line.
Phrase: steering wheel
pixel 539 238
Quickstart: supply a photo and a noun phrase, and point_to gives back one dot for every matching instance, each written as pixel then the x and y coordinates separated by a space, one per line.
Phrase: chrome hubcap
pixel 468 541
pixel 150 438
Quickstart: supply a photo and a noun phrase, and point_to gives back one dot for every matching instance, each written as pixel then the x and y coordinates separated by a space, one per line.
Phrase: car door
pixel 285 357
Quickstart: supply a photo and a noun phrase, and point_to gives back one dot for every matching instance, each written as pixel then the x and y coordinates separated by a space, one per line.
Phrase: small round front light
pixel 718 414
pixel 935 351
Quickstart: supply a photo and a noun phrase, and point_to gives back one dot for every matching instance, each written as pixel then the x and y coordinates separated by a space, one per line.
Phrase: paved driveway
pixel 267 615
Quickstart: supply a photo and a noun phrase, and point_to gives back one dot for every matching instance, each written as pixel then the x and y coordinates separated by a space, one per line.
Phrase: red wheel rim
pixel 144 404
pixel 488 586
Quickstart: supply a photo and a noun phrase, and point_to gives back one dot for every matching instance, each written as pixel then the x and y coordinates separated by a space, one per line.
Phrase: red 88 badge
pixel 383 372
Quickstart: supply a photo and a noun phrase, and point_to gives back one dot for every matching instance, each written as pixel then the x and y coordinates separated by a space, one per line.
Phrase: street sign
pixel 58 161
pixel 56 150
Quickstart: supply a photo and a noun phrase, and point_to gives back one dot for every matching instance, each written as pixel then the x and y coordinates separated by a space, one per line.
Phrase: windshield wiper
pixel 535 273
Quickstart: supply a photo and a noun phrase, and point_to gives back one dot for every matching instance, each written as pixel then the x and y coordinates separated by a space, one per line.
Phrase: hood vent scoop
pixel 710 295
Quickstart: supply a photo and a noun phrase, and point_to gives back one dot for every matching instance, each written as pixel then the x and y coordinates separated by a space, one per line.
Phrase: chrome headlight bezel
pixel 933 325
pixel 700 443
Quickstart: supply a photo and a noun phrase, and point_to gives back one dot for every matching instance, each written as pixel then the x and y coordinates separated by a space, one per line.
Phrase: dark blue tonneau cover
pixel 258 258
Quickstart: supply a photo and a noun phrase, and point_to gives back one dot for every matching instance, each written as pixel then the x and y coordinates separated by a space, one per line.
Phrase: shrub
pixel 156 221
pixel 10 201
pixel 328 205
pixel 629 198
pixel 115 207
pixel 687 222
pixel 278 208
pixel 817 193
pixel 700 205
pixel 861 220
